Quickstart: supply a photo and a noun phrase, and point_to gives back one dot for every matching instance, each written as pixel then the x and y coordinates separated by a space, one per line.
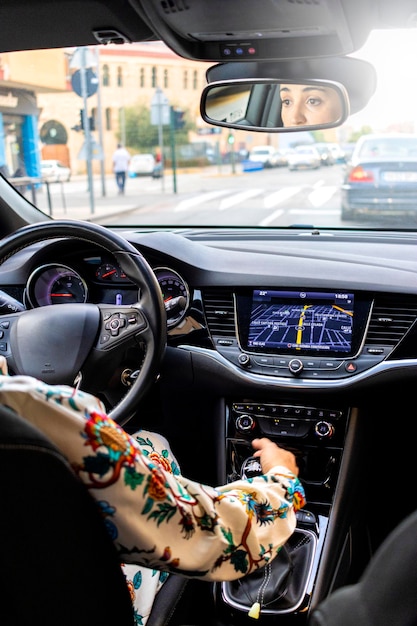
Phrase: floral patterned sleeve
pixel 157 517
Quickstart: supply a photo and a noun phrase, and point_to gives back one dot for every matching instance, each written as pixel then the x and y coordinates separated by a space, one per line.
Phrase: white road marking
pixel 239 197
pixel 310 212
pixel 275 198
pixel 200 199
pixel 320 195
pixel 267 220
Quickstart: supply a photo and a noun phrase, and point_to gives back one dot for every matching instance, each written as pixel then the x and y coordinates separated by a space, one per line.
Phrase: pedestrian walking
pixel 121 159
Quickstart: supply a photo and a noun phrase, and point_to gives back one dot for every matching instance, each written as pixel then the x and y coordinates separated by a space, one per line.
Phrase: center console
pixel 298 346
pixel 316 435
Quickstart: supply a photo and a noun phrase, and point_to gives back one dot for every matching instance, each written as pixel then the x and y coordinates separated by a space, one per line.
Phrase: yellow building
pixel 129 76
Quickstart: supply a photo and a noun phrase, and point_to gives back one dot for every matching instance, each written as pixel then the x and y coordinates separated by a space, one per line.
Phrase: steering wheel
pixel 63 343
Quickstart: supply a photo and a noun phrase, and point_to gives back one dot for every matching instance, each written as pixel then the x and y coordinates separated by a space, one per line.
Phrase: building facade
pixel 39 111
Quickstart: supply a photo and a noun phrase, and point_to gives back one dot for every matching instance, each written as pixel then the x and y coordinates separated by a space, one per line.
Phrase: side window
pixel 108 119
pixel 119 77
pixel 105 76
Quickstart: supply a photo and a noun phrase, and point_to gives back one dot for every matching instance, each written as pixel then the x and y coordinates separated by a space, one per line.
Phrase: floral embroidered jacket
pixel 157 517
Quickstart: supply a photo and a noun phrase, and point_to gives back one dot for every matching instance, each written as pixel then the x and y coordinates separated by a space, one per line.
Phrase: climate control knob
pixel 245 423
pixel 324 429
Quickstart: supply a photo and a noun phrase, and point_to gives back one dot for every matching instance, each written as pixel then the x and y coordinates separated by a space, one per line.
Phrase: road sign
pixel 96 151
pixel 160 109
pixel 83 57
pixel 91 82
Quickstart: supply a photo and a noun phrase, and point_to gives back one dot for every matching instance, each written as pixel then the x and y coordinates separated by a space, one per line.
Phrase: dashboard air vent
pixel 391 318
pixel 220 312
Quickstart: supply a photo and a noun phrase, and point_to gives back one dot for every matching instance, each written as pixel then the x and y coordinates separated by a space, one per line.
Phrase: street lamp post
pixel 85 84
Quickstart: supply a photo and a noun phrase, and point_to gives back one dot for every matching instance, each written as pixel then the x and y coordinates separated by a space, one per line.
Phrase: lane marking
pixel 267 220
pixel 239 197
pixel 184 205
pixel 320 195
pixel 283 194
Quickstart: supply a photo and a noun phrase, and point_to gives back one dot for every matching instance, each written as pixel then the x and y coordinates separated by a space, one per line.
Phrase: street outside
pixel 202 197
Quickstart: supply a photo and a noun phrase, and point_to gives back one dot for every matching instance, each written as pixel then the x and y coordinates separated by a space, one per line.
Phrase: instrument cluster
pixel 102 281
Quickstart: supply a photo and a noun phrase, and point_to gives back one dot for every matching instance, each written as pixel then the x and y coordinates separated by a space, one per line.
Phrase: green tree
pixel 365 130
pixel 142 136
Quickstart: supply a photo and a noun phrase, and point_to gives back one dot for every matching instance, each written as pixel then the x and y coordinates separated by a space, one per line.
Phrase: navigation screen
pixel 301 320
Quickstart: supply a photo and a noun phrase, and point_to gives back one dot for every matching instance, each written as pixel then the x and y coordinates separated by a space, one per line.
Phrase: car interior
pixel 222 359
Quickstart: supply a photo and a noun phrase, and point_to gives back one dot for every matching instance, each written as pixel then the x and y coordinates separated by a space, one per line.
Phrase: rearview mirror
pixel 274 105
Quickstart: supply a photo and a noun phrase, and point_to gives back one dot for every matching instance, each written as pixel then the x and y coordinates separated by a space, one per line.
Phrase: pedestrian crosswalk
pixel 220 200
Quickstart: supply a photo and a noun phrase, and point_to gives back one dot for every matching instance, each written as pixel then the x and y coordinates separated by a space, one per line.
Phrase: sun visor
pixel 357 76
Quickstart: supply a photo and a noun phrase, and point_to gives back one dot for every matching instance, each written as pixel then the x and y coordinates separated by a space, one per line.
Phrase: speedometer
pixel 175 294
pixel 55 284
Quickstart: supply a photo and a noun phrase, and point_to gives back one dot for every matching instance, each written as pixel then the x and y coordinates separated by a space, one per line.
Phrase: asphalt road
pixel 215 195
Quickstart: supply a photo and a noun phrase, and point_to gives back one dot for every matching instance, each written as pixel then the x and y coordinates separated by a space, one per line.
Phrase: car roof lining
pixel 197 29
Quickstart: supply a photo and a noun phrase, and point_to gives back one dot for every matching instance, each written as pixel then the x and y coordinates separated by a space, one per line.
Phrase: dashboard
pixel 342 310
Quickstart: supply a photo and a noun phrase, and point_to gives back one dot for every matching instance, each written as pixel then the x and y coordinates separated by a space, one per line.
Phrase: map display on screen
pixel 301 320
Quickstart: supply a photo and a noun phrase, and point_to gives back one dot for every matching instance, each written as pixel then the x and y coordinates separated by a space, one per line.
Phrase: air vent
pixel 174 6
pixel 391 318
pixel 220 312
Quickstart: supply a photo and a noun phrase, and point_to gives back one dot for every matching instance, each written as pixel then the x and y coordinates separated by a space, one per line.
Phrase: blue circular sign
pixel 91 82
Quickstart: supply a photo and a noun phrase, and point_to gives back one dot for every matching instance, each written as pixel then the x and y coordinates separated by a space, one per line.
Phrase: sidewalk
pixel 65 202
pixel 104 207
pixel 73 200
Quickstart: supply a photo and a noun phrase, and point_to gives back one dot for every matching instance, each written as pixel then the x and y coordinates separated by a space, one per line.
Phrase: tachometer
pixel 55 284
pixel 175 293
pixel 110 273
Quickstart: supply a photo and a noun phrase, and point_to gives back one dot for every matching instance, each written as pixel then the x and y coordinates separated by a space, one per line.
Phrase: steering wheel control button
pixel 115 324
pixel 295 366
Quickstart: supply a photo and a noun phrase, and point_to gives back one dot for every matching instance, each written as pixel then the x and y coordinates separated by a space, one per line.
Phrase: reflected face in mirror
pixel 308 105
pixel 274 105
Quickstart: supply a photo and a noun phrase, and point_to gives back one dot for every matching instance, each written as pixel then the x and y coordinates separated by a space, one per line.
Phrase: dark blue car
pixel 381 178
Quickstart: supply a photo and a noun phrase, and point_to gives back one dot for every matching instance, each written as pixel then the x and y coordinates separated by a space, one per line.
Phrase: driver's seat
pixel 58 565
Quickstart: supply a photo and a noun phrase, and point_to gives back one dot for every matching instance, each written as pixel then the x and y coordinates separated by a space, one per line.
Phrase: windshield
pixel 115 133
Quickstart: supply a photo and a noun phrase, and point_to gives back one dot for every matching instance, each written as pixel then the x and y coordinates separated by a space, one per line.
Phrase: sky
pixel 394 55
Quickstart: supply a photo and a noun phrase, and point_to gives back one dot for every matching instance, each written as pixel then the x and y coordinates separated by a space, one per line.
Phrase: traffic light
pixel 178 118
pixel 80 126
pixel 231 139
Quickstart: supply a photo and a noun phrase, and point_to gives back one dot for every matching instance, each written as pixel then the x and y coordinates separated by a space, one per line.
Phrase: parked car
pixel 144 165
pixel 326 154
pixel 54 171
pixel 267 155
pixel 281 158
pixel 304 157
pixel 382 177
pixel 218 307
